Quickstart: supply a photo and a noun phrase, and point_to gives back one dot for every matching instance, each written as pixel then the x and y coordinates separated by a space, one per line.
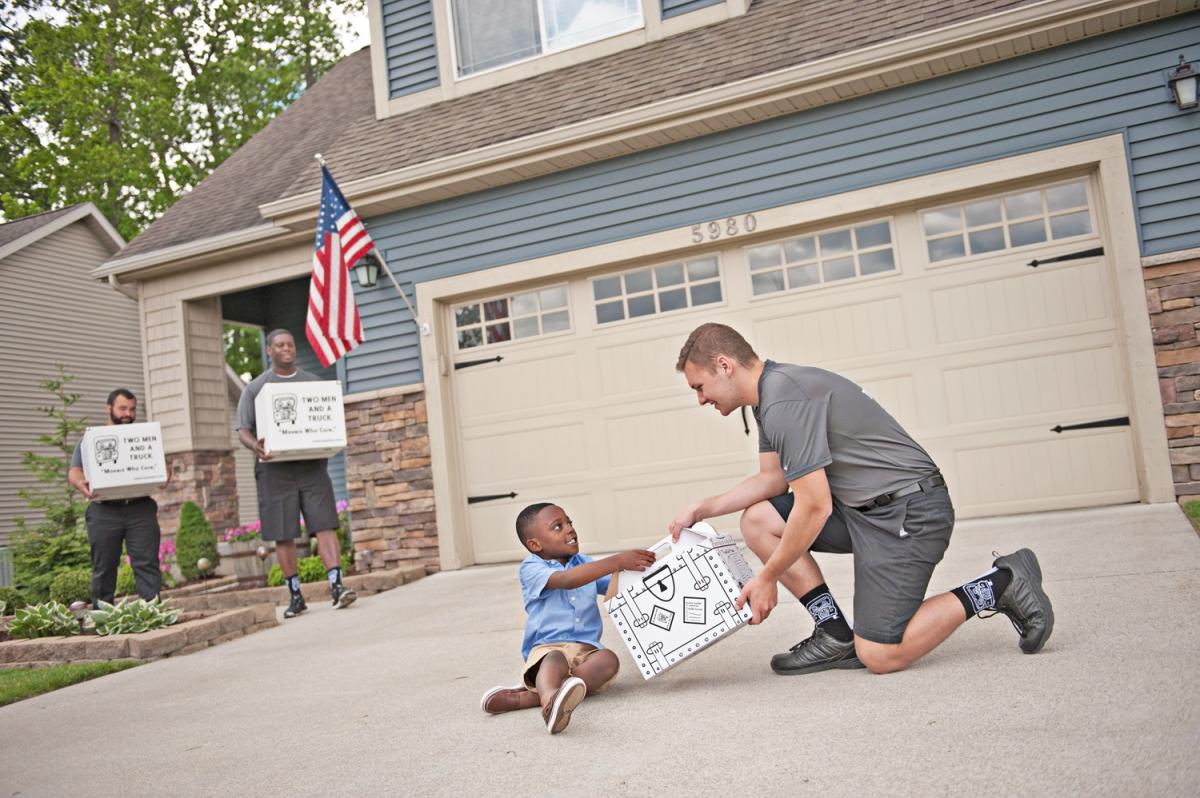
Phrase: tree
pixel 57 542
pixel 243 350
pixel 128 103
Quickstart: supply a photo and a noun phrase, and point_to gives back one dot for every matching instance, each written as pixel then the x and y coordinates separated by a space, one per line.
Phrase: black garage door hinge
pixel 490 497
pixel 468 363
pixel 1083 253
pixel 1123 421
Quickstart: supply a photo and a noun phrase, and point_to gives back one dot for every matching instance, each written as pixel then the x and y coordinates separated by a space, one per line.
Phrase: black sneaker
pixel 820 652
pixel 342 596
pixel 296 606
pixel 1024 601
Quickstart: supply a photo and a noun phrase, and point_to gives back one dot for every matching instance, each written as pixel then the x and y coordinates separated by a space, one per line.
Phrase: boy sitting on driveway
pixel 564 660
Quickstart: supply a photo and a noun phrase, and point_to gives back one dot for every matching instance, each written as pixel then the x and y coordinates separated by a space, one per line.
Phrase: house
pixel 53 312
pixel 964 206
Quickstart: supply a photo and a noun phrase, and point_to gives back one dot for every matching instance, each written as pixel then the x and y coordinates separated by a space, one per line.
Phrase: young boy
pixel 564 660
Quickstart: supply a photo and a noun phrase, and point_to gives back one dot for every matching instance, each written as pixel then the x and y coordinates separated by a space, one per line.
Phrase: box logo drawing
pixel 106 450
pixel 285 409
pixel 684 603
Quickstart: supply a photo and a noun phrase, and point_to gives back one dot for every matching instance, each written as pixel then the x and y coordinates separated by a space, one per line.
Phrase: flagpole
pixel 386 269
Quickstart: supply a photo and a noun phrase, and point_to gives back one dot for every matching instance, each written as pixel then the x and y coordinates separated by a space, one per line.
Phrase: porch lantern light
pixel 1182 82
pixel 367 269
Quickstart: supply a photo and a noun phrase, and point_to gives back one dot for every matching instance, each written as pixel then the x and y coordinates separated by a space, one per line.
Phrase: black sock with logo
pixel 293 583
pixel 983 593
pixel 826 613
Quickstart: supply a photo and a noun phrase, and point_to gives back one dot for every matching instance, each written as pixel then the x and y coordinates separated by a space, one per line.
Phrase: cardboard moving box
pixel 683 603
pixel 301 420
pixel 124 461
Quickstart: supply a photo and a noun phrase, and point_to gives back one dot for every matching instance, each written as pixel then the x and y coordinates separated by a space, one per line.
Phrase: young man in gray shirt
pixel 858 484
pixel 287 490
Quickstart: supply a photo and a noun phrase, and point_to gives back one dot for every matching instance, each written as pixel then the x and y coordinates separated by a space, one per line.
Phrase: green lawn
pixel 18 683
pixel 1192 511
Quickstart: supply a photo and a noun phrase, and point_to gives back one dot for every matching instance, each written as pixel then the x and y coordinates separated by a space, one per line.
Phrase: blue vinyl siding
pixel 673 8
pixel 411 46
pixel 1103 85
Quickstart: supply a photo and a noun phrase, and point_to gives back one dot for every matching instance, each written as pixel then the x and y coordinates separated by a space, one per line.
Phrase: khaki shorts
pixel 576 654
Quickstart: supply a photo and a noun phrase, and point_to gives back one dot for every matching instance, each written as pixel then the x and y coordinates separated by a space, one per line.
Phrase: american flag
pixel 333 326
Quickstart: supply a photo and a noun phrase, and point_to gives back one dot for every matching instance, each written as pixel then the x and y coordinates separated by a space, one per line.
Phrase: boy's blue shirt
pixel 559 616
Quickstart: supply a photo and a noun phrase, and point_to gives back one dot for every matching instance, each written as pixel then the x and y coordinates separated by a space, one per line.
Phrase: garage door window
pixel 659 289
pixel 1009 221
pixel 826 257
pixel 513 317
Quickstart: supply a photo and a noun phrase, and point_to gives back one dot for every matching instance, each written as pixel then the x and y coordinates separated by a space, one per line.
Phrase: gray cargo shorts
pixel 895 550
pixel 288 489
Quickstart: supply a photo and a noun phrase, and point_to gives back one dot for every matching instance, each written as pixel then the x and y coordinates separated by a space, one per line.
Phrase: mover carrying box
pixel 683 603
pixel 301 420
pixel 123 461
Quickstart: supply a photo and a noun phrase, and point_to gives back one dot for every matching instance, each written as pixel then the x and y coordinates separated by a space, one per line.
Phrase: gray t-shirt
pixel 814 418
pixel 245 408
pixel 77 455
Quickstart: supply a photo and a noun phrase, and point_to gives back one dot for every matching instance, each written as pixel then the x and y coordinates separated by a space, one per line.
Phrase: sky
pixel 359 35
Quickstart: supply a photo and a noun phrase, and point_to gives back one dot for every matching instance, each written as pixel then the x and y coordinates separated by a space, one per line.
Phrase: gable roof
pixel 772 35
pixel 20 233
pixel 336 117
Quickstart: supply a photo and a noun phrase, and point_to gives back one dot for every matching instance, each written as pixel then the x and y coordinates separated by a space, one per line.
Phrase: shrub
pixel 126 584
pixel 131 617
pixel 309 569
pixel 58 541
pixel 194 540
pixel 12 599
pixel 70 586
pixel 50 619
pixel 41 552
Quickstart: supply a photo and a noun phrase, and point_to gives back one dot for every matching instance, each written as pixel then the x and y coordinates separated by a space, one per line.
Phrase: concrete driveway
pixel 382 699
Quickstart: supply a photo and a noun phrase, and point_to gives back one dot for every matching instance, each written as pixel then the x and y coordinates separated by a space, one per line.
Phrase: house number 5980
pixel 724 228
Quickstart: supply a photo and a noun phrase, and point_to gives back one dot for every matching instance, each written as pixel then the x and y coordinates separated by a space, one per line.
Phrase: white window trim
pixel 857 279
pixel 653 28
pixel 542 32
pixel 484 345
pixel 654 292
pixel 1092 209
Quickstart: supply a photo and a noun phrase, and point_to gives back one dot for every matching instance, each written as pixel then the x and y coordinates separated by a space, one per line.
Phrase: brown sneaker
pixel 503 699
pixel 558 712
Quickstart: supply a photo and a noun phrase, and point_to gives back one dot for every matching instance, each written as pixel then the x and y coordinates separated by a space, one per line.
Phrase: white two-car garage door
pixel 567 392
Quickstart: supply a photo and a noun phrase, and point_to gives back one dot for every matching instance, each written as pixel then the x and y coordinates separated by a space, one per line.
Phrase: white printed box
pixel 123 461
pixel 301 420
pixel 683 603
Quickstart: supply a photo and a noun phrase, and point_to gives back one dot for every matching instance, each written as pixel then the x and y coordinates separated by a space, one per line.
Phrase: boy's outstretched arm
pixel 580 575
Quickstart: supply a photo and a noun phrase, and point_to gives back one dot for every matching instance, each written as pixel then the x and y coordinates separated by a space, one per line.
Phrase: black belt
pixel 122 502
pixel 927 484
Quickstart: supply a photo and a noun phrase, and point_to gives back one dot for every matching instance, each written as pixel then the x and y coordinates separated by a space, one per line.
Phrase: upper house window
pixel 493 33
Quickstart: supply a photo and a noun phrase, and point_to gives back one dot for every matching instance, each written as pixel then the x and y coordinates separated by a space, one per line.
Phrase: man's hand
pixel 763 594
pixel 260 449
pixel 85 488
pixel 635 560
pixel 681 522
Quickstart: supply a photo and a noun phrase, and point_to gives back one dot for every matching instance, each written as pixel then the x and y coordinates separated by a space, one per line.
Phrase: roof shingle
pixel 337 118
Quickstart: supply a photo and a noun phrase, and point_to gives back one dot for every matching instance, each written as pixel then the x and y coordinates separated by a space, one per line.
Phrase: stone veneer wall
pixel 1173 300
pixel 208 478
pixel 389 479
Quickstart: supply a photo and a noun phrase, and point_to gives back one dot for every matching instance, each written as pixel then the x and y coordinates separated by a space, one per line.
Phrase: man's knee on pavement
pixel 880 657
